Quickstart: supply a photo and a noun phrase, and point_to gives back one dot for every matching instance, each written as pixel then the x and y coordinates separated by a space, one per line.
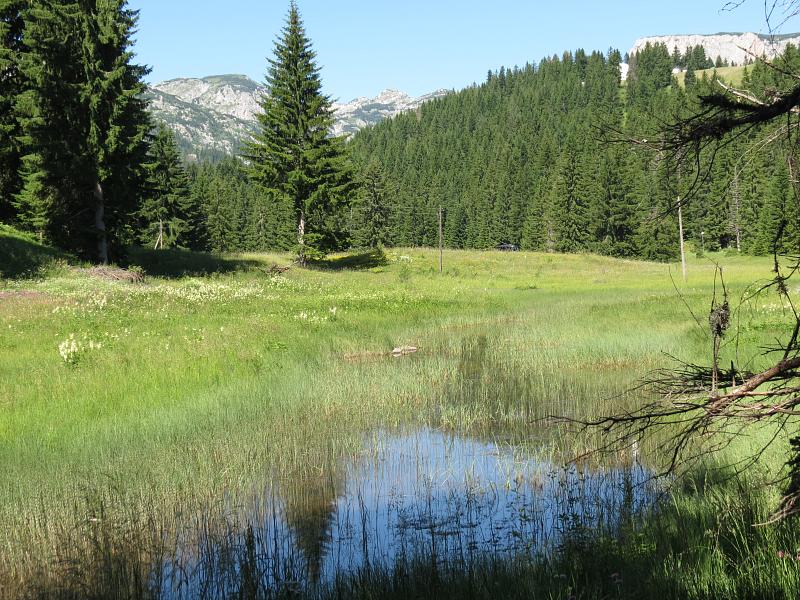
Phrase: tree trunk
pixel 99 223
pixel 301 238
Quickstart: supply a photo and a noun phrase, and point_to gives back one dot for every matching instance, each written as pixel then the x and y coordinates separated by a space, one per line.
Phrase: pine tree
pixel 569 210
pixel 11 85
pixel 84 121
pixel 168 212
pixel 293 157
pixel 371 214
pixel 690 78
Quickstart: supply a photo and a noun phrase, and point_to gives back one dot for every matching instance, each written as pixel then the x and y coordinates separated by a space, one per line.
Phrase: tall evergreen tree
pixel 371 214
pixel 168 212
pixel 11 85
pixel 293 157
pixel 84 121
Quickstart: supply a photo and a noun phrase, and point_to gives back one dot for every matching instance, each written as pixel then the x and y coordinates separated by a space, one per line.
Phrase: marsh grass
pixel 191 391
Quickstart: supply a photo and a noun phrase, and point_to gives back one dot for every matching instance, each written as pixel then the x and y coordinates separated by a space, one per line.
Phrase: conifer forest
pixel 533 156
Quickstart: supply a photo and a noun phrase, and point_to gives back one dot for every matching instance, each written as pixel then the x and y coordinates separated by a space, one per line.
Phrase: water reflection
pixel 416 495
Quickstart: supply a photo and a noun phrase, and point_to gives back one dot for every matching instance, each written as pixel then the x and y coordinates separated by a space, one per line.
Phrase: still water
pixel 416 495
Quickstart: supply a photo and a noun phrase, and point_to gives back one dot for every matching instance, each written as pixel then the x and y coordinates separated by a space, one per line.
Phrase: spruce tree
pixel 293 156
pixel 168 211
pixel 372 212
pixel 11 86
pixel 690 78
pixel 85 123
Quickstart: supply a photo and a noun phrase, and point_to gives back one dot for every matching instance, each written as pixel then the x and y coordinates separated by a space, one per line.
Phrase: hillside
pixel 22 255
pixel 731 75
pixel 213 116
pixel 522 159
pixel 201 132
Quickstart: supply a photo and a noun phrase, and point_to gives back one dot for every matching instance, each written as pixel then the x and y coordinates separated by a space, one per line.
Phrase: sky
pixel 417 46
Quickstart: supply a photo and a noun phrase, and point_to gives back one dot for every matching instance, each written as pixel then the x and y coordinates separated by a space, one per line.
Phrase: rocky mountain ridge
pixel 213 116
pixel 361 112
pixel 736 48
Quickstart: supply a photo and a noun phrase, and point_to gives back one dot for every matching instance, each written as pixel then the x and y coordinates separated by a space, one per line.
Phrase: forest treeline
pixel 541 157
pixel 538 156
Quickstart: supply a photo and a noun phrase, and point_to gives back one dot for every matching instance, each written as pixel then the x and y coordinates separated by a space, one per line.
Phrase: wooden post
pixel 441 243
pixel 680 227
pixel 100 224
pixel 160 238
pixel 301 238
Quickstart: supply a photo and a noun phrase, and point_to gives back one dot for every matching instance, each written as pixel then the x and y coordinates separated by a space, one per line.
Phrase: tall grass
pixel 187 390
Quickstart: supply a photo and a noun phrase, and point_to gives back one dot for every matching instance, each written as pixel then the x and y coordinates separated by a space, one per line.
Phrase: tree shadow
pixel 368 259
pixel 175 263
pixel 21 256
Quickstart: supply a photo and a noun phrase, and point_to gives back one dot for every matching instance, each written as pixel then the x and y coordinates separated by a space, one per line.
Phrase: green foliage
pixel 168 213
pixel 22 255
pixel 293 158
pixel 236 213
pixel 371 212
pixel 11 85
pixel 84 124
pixel 523 159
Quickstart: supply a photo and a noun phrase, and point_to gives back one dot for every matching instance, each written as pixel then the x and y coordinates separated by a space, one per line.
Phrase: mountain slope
pixel 213 116
pixel 234 95
pixel 202 133
pixel 362 112
pixel 523 159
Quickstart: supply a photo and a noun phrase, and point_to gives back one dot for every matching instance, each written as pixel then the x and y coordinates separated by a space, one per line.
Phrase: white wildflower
pixel 69 349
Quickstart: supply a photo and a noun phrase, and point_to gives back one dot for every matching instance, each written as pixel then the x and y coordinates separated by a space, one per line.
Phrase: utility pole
pixel 441 242
pixel 680 227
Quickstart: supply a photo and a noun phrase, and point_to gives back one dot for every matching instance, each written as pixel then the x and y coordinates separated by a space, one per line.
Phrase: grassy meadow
pixel 133 412
pixel 733 75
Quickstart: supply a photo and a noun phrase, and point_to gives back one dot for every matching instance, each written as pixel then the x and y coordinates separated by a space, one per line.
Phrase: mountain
pixel 736 48
pixel 201 132
pixel 213 116
pixel 233 95
pixel 361 112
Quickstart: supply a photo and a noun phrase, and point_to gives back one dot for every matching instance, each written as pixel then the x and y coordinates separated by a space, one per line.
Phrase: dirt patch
pixel 22 295
pixel 113 274
pixel 14 300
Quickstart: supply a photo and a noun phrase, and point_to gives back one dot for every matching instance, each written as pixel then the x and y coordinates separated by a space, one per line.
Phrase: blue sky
pixel 413 45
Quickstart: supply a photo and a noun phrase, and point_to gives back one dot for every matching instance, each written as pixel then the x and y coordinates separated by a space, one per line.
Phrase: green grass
pixel 23 256
pixel 171 394
pixel 731 75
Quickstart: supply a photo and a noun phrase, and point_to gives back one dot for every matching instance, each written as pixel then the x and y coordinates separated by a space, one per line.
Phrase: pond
pixel 417 495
